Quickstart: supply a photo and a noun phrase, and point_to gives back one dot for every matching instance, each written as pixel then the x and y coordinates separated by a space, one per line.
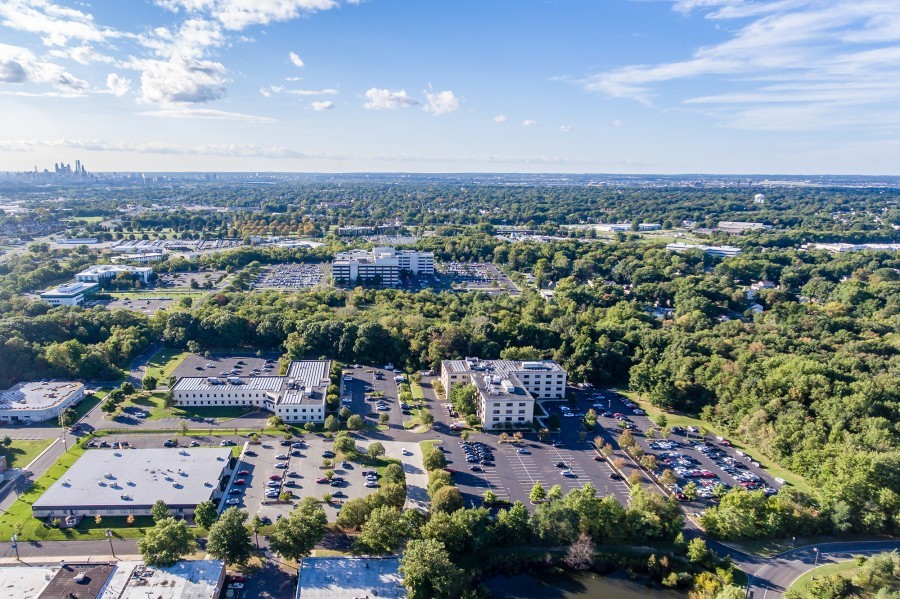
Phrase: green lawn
pixel 771 466
pixel 21 452
pixel 165 362
pixel 846 569
pixel 154 405
pixel 18 517
pixel 416 390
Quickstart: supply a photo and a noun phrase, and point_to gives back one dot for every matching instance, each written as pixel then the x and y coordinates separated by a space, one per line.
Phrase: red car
pixel 244 473
pixel 726 442
pixel 322 481
pixel 275 477
pixel 240 481
pixel 238 578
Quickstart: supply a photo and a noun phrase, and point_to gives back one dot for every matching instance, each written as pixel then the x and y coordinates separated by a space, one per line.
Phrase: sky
pixel 584 86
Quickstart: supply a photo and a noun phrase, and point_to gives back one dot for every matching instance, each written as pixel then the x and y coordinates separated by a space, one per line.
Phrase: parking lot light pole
pixel 816 563
pixel 109 536
pixel 15 545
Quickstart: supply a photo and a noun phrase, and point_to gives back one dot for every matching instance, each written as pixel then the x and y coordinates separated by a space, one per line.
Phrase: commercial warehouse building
pixel 297 397
pixel 350 578
pixel 507 389
pixel 70 294
pixel 382 264
pixel 110 482
pixel 36 402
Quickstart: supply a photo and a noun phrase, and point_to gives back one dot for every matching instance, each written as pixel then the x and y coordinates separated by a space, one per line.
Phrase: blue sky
pixel 616 86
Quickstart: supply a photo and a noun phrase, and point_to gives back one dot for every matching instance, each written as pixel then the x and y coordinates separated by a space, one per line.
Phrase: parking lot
pixel 183 280
pixel 474 276
pixel 304 475
pixel 378 384
pixel 149 302
pixel 290 276
pixel 706 461
pixel 196 365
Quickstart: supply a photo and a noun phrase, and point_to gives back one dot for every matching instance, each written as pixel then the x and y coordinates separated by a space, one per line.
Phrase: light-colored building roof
pixel 70 290
pixel 350 578
pixel 112 269
pixel 198 579
pixel 248 383
pixel 17 582
pixel 110 479
pixel 37 396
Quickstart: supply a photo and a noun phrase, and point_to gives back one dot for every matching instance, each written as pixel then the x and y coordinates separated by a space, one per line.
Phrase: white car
pixel 638 411
pixel 233 501
pixel 371 484
pixel 272 494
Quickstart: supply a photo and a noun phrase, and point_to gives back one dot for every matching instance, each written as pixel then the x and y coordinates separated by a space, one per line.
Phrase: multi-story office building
pixel 99 273
pixel 38 401
pixel 383 265
pixel 507 389
pixel 70 294
pixel 297 397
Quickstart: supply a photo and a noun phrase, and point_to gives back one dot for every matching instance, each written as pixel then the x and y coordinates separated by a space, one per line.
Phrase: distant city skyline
pixel 611 86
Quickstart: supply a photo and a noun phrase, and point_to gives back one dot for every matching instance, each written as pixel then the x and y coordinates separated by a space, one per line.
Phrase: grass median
pixel 21 452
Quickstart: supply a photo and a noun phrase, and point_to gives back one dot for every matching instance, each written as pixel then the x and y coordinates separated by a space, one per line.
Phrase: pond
pixel 574 586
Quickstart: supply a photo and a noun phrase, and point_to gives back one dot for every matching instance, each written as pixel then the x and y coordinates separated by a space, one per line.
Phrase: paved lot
pixel 196 365
pixel 683 444
pixel 182 280
pixel 362 382
pixel 474 276
pixel 290 276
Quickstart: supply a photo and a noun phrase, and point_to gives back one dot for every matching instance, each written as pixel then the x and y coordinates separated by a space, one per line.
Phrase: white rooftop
pixel 37 396
pixel 69 289
pixel 113 268
pixel 18 582
pixel 185 580
pixel 350 578
pixel 136 478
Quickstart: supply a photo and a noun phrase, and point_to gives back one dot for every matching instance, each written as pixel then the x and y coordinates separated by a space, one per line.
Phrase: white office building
pixel 721 251
pixel 507 389
pixel 98 274
pixel 140 258
pixel 70 294
pixel 381 265
pixel 297 397
pixel 39 401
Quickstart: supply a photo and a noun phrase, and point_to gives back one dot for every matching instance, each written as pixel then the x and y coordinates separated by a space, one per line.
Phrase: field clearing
pixel 846 569
pixel 165 362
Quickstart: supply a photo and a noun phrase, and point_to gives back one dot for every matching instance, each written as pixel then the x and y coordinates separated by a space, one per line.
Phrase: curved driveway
pixel 770 577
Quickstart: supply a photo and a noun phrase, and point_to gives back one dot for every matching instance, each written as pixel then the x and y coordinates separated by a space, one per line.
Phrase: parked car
pixel 233 501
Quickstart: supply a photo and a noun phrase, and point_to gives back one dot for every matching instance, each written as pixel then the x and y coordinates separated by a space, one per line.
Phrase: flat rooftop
pixel 110 478
pixel 185 580
pixel 65 585
pixel 350 578
pixel 24 582
pixel 113 268
pixel 248 383
pixel 37 396
pixel 69 290
pixel 310 373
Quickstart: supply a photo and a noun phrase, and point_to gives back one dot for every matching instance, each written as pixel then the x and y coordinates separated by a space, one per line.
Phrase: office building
pixel 507 389
pixel 738 227
pixel 382 265
pixel 840 248
pixel 721 251
pixel 111 482
pixel 70 294
pixel 38 401
pixel 297 397
pixel 102 272
pixel 140 258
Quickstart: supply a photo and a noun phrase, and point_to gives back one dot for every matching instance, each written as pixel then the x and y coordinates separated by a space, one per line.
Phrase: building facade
pixel 507 389
pixel 297 397
pixel 721 251
pixel 71 294
pixel 382 265
pixel 39 401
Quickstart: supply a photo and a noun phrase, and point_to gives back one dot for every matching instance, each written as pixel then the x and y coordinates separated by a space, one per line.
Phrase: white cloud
pixel 20 65
pixel 565 128
pixel 181 81
pixel 280 89
pixel 324 105
pixel 385 99
pixel 298 62
pixel 441 102
pixel 56 25
pixel 500 118
pixel 617 123
pixel 529 123
pixel 206 113
pixel 238 14
pixel 117 85
pixel 827 57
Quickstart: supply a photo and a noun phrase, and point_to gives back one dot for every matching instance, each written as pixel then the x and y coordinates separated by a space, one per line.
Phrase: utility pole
pixel 15 545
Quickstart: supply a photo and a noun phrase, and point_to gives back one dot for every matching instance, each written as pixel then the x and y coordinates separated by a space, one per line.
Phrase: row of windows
pixel 509 419
pixel 302 410
pixel 251 395
pixel 509 411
